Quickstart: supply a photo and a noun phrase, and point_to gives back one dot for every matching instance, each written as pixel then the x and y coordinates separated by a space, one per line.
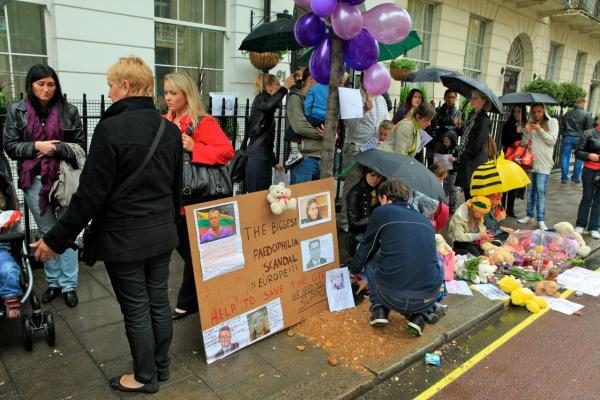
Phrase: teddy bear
pixel 520 296
pixel 498 255
pixel 281 199
pixel 477 270
pixel 566 230
pixel 548 288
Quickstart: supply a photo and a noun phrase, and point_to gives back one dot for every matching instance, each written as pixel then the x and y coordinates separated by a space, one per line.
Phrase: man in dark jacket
pixel 572 126
pixel 398 277
pixel 447 116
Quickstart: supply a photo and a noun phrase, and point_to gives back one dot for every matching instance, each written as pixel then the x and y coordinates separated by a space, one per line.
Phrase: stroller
pixel 38 320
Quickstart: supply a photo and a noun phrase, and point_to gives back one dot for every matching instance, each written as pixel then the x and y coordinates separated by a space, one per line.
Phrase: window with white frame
pixel 22 44
pixel 421 13
pixel 474 47
pixel 553 66
pixel 579 69
pixel 189 36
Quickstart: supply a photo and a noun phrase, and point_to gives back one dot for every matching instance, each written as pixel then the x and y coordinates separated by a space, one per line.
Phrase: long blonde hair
pixel 183 82
pixel 262 80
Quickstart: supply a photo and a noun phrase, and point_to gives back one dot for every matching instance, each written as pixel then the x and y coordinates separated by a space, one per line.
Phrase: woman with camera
pixel 588 150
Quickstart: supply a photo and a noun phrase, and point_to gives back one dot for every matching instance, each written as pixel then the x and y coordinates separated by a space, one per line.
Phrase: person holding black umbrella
pixel 512 131
pixel 473 149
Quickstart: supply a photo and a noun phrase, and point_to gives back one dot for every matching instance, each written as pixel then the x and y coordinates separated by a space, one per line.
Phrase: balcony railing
pixel 590 7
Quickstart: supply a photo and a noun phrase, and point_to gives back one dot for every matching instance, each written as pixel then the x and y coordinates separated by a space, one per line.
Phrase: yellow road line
pixel 470 363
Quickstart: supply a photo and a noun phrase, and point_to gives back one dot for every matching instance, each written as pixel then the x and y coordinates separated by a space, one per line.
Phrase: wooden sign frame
pixel 256 272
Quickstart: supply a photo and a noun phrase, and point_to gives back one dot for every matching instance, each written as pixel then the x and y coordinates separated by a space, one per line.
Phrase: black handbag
pixel 237 165
pixel 88 253
pixel 203 182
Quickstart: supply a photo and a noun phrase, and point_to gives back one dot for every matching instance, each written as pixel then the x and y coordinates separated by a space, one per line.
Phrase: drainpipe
pixel 267 11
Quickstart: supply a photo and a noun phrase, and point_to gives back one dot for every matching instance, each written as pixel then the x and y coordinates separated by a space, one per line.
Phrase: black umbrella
pixel 527 98
pixel 409 170
pixel 272 36
pixel 464 85
pixel 432 74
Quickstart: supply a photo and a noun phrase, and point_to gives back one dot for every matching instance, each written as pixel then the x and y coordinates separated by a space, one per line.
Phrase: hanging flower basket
pixel 399 74
pixel 264 61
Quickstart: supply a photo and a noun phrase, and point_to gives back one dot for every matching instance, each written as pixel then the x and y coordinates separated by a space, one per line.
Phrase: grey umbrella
pixel 527 98
pixel 409 170
pixel 465 85
pixel 432 74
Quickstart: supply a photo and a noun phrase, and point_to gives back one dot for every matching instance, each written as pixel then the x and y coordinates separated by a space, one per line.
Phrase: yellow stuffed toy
pixel 521 296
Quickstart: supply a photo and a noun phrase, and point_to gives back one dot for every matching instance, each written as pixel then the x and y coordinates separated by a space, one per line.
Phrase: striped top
pixel 486 177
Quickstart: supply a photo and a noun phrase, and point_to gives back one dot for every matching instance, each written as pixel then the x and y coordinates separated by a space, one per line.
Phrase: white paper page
pixel 491 292
pixel 459 287
pixel 444 159
pixel 581 280
pixel 351 103
pixel 339 290
pixel 562 305
pixel 425 138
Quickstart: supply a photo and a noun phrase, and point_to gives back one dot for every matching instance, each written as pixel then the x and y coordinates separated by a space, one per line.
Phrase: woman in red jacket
pixel 205 140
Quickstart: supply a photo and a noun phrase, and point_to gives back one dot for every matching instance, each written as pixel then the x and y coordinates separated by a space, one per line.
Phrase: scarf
pixel 46 167
pixel 467 133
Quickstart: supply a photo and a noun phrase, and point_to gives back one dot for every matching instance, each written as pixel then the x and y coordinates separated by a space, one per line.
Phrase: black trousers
pixel 141 288
pixel 259 170
pixel 464 248
pixel 186 299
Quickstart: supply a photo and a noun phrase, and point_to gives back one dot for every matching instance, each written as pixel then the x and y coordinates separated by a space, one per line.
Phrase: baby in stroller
pixel 10 271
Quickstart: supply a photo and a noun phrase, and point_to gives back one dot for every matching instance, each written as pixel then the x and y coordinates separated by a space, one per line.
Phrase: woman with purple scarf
pixel 36 134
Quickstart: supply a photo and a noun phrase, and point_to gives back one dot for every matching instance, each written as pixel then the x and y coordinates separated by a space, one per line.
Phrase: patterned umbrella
pixel 498 176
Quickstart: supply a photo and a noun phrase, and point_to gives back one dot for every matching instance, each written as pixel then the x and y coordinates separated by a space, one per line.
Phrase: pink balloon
pixel 323 8
pixel 388 23
pixel 347 21
pixel 377 80
pixel 303 3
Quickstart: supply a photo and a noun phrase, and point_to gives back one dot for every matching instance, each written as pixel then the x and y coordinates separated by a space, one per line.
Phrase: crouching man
pixel 398 257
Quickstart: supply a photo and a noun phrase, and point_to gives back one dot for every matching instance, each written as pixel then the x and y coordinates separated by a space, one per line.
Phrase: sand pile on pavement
pixel 350 340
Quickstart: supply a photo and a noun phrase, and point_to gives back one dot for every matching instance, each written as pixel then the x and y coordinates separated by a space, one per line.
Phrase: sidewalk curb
pixel 417 355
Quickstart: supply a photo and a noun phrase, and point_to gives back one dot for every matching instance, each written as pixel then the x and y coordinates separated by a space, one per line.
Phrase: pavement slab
pixel 188 388
pixel 58 377
pixel 255 386
pixel 121 365
pixel 106 343
pixel 93 315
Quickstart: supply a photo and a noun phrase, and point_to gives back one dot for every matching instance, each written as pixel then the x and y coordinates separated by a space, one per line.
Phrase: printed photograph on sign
pixel 339 289
pixel 219 240
pixel 240 331
pixel 314 209
pixel 223 104
pixel 317 252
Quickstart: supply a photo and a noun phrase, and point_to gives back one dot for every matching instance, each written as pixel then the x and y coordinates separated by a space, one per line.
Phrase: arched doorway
pixel 594 103
pixel 515 63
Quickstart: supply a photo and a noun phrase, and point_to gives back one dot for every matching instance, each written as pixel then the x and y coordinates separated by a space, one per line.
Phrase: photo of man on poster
pixel 314 248
pixel 227 346
pixel 216 230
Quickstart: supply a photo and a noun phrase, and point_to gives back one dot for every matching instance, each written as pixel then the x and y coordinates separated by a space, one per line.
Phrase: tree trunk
pixel 331 122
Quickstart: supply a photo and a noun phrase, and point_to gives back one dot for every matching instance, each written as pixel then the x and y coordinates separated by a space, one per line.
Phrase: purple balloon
pixel 388 23
pixel 347 21
pixel 361 52
pixel 320 62
pixel 309 30
pixel 377 80
pixel 303 3
pixel 353 2
pixel 323 8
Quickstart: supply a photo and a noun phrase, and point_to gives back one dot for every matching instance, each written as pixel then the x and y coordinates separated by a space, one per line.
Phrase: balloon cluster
pixel 386 23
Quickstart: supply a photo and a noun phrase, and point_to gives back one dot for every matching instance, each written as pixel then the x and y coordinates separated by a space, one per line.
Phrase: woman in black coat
pixel 136 229
pixel 473 150
pixel 261 126
pixel 588 214
pixel 512 131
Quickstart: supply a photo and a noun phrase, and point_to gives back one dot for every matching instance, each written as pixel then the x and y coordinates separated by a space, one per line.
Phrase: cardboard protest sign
pixel 257 273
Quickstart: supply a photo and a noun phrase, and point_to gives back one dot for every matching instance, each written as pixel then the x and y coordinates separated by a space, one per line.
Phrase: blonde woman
pixel 207 144
pixel 136 230
pixel 405 138
pixel 261 130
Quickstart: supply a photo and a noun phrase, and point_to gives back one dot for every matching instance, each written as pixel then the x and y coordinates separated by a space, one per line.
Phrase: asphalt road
pixel 556 357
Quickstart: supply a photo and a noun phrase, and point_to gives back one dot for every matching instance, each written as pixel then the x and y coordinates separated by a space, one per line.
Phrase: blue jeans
pixel 404 306
pixel 569 143
pixel 9 274
pixel 587 218
pixel 63 270
pixel 537 196
pixel 307 170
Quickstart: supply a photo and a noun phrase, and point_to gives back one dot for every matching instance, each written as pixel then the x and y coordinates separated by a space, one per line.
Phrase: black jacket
pixel 140 222
pixel 262 117
pixel 575 122
pixel 510 134
pixel 18 144
pixel 359 206
pixel 475 152
pixel 444 121
pixel 588 143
